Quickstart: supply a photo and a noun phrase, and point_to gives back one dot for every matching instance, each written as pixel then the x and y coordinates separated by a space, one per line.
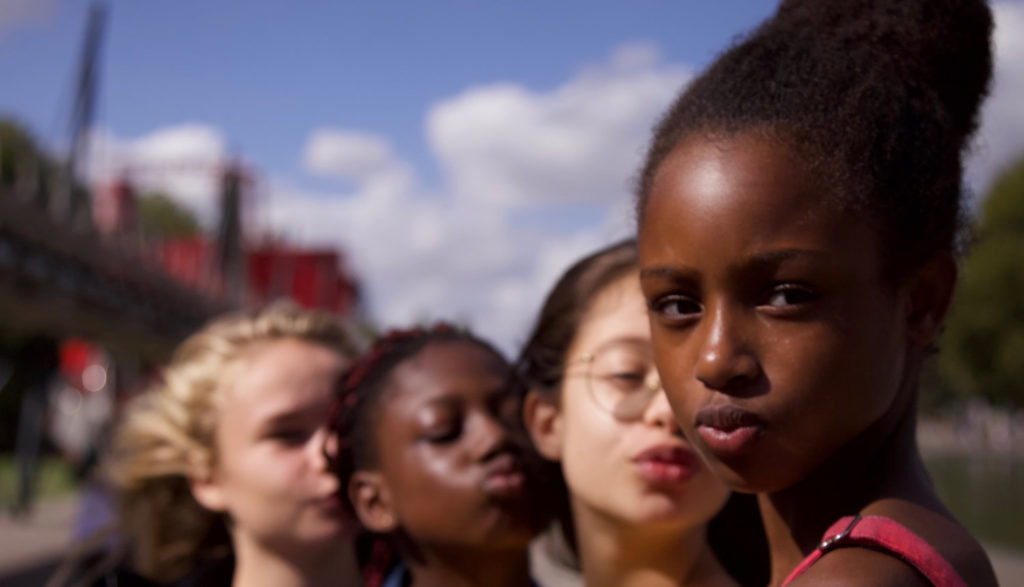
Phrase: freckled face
pixel 449 452
pixel 775 336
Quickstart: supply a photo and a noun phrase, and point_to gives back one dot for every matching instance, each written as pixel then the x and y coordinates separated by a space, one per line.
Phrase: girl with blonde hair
pixel 223 456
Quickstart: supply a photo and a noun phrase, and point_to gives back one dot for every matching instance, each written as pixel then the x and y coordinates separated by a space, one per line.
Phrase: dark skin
pixel 768 297
pixel 444 486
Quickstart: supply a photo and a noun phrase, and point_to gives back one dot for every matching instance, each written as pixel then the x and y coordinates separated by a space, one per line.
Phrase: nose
pixel 724 358
pixel 329 446
pixel 492 437
pixel 322 448
pixel 659 413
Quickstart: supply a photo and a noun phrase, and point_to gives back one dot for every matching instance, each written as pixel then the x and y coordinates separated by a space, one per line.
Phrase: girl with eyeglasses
pixel 634 499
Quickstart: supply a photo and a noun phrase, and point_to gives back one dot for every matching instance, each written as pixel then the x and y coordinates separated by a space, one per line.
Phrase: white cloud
pixel 460 254
pixel 1000 140
pixel 348 155
pixel 436 258
pixel 580 142
pixel 183 161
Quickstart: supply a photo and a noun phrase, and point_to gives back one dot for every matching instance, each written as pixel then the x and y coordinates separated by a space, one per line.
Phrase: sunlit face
pixel 635 470
pixel 270 474
pixel 776 338
pixel 450 460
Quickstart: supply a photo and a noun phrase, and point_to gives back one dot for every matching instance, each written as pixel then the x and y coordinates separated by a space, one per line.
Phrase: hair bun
pixel 941 48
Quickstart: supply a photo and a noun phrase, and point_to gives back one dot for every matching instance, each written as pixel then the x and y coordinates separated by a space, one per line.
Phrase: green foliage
pixel 54 478
pixel 19 153
pixel 983 347
pixel 161 217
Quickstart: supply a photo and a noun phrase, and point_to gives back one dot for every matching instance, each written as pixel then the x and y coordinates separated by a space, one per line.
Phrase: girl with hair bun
pixel 799 211
pixel 219 467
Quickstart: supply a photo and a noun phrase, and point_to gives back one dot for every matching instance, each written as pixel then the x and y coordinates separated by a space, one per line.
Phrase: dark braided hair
pixel 355 412
pixel 878 97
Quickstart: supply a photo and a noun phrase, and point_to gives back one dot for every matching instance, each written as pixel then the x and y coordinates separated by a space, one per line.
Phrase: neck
pixel 258 566
pixel 613 553
pixel 442 567
pixel 880 465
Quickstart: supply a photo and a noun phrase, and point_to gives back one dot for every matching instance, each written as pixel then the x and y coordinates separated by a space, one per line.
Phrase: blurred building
pixel 313 278
pixel 227 266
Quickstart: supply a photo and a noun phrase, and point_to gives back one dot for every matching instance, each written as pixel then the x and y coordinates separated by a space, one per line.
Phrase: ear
pixel 543 420
pixel 208 492
pixel 931 290
pixel 371 498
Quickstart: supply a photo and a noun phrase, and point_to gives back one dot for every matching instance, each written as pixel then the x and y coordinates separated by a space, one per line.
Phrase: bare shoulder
pixel 951 540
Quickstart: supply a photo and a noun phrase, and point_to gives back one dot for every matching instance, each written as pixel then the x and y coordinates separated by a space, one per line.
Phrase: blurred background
pixel 392 163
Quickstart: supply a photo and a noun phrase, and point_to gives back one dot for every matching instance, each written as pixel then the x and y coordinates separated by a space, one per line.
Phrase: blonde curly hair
pixel 167 436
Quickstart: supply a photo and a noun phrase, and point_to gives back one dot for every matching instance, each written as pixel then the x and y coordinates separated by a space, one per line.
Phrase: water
pixel 985 492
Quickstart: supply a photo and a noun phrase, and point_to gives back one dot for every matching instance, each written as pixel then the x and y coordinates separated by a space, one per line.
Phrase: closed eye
pixel 445 435
pixel 289 437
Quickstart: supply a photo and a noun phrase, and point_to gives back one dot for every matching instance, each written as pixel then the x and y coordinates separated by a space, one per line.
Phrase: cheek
pixel 675 367
pixel 428 487
pixel 852 368
pixel 590 446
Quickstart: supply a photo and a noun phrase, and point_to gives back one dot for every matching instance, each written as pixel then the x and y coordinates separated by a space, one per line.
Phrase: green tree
pixel 20 155
pixel 983 347
pixel 161 217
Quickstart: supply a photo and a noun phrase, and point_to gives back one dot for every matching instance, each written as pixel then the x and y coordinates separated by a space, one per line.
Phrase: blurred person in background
pixel 219 469
pixel 636 503
pixel 428 445
pixel 35 366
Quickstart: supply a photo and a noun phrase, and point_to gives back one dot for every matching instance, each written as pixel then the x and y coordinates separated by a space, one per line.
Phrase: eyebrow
pixel 287 416
pixel 760 259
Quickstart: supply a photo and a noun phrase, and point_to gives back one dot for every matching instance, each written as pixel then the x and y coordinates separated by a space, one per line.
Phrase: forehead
pixel 739 194
pixel 281 375
pixel 447 368
pixel 737 176
pixel 617 311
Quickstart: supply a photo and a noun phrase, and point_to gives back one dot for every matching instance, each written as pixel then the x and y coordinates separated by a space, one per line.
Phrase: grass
pixel 54 478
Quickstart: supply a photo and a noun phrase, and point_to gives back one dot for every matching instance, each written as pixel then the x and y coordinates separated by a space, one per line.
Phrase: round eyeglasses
pixel 621 378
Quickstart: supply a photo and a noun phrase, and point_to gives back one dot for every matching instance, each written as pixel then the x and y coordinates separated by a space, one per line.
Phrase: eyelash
pixel 692 308
pixel 291 437
pixel 444 436
pixel 659 307
pixel 804 295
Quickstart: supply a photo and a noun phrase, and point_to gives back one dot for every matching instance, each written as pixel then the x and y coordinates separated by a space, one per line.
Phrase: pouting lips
pixel 666 464
pixel 504 477
pixel 728 431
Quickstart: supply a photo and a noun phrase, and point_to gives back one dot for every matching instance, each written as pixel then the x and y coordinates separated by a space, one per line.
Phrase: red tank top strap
pixel 886 535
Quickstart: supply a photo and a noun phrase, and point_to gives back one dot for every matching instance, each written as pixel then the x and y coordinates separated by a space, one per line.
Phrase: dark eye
pixel 789 295
pixel 675 307
pixel 628 380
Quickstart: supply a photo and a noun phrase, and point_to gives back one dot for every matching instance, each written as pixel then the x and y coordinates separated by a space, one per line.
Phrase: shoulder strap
pixel 888 536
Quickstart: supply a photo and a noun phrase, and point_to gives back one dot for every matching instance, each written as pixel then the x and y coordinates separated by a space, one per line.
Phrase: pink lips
pixel 728 431
pixel 504 477
pixel 666 464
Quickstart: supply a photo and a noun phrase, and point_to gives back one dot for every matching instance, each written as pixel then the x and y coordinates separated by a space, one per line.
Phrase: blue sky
pixel 266 73
pixel 462 153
